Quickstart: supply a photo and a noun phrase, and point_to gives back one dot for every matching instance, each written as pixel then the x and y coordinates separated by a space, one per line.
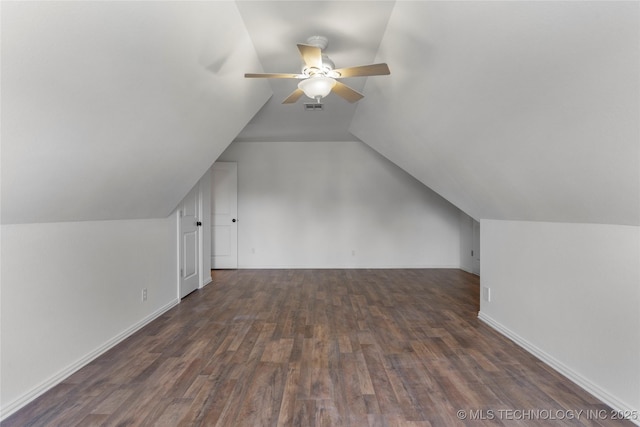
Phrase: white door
pixel 224 210
pixel 189 243
pixel 476 247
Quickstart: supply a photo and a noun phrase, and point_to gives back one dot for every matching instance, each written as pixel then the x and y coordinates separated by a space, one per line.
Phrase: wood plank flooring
pixel 319 348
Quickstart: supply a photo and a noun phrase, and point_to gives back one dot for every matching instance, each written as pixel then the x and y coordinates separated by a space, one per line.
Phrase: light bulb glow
pixel 317 87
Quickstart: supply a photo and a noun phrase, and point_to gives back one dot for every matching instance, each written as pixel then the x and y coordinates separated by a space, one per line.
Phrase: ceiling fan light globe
pixel 317 87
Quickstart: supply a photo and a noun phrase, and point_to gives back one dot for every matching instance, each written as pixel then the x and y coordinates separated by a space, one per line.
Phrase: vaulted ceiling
pixel 514 110
pixel 510 110
pixel 115 109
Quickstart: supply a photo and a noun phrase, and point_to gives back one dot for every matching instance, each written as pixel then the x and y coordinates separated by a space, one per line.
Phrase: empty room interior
pixel 348 213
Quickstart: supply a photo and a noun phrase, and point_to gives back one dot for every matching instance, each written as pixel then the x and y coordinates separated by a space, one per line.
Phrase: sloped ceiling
pixel 510 110
pixel 513 110
pixel 114 110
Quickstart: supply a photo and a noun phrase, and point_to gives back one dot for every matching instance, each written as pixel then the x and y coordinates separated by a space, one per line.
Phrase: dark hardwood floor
pixel 319 348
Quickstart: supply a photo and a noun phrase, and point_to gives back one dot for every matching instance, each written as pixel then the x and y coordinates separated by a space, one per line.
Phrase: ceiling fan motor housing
pixel 327 64
pixel 318 41
pixel 321 42
pixel 326 70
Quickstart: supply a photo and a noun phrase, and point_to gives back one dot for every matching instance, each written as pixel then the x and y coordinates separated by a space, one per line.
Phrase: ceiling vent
pixel 313 106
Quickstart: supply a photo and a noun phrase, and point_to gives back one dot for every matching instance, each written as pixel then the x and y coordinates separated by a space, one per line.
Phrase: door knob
pixel 233 220
pixel 199 224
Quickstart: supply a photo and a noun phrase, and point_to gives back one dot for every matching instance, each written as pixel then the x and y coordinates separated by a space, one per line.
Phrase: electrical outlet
pixel 144 294
pixel 486 294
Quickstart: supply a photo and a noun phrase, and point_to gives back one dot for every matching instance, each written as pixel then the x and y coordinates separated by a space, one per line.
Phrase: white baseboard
pixel 469 271
pixel 56 379
pixel 563 369
pixel 206 282
pixel 344 267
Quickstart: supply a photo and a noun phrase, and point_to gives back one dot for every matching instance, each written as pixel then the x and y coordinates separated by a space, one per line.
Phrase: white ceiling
pixel 510 110
pixel 114 110
pixel 514 110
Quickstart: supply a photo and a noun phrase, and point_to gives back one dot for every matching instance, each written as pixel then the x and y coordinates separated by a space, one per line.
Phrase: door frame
pixel 475 247
pixel 234 166
pixel 204 192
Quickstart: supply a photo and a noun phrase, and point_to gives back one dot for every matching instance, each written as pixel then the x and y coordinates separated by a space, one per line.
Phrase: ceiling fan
pixel 318 76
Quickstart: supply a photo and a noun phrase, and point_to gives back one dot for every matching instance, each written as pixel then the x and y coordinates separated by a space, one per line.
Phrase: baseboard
pixel 41 388
pixel 345 267
pixel 563 369
pixel 469 271
pixel 206 282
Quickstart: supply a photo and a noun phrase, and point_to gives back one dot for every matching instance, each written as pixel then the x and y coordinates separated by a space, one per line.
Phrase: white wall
pixel 70 290
pixel 316 204
pixel 570 293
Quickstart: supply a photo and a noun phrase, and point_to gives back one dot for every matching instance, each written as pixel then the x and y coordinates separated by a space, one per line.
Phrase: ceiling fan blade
pixel 311 55
pixel 295 95
pixel 347 93
pixel 364 70
pixel 272 76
